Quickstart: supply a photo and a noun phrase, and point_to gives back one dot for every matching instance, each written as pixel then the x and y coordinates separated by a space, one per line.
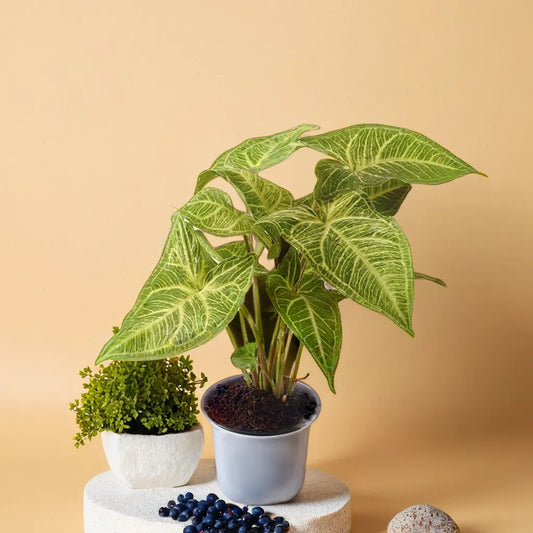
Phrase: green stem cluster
pixel 278 357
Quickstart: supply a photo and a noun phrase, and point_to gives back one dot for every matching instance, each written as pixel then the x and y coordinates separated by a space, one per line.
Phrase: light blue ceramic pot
pixel 260 469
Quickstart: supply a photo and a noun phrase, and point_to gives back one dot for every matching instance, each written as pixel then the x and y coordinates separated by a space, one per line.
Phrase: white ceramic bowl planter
pixel 154 461
pixel 261 469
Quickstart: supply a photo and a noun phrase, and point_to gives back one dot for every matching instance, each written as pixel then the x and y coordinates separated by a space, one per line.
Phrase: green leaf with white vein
pixel 231 249
pixel 260 195
pixel 334 178
pixel 378 153
pixel 187 300
pixel 389 196
pixel 363 255
pixel 257 153
pixel 212 210
pixel 311 312
pixel 236 249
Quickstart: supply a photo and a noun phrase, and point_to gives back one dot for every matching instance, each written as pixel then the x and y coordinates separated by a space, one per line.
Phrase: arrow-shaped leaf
pixel 310 311
pixel 334 178
pixel 212 210
pixel 377 153
pixel 187 300
pixel 260 195
pixel 363 255
pixel 389 196
pixel 231 249
pixel 257 153
pixel 235 249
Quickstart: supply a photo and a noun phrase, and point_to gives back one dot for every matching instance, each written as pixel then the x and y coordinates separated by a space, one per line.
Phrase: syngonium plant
pixel 339 241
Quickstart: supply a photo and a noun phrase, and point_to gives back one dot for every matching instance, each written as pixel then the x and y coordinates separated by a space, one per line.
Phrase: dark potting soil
pixel 240 408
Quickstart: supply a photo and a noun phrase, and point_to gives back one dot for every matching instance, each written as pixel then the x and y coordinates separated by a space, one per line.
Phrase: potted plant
pixel 146 413
pixel 339 241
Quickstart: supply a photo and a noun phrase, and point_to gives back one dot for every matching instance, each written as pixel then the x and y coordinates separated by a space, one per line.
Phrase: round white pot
pixel 260 469
pixel 154 461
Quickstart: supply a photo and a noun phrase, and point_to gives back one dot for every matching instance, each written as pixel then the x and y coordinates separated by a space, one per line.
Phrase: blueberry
pixel 189 496
pixel 218 524
pixel 211 498
pixel 245 509
pixel 180 507
pixel 198 511
pixel 228 515
pixel 237 512
pixel 163 511
pixel 184 516
pixel 171 504
pixel 258 511
pixel 173 513
pixel 247 518
pixel 242 529
pixel 212 509
pixel 209 520
pixel 192 504
pixel 233 524
pixel 220 505
pixel 190 529
pixel 264 520
pixel 181 498
pixel 279 529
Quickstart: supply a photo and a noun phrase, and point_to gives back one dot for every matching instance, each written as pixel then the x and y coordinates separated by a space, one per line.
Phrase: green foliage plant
pixel 339 241
pixel 144 397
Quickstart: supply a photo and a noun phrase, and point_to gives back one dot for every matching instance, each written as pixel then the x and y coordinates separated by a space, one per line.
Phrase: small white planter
pixel 154 461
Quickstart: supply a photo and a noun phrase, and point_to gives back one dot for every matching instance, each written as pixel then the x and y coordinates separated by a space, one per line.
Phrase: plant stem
pixel 282 357
pixel 244 331
pixel 246 377
pixel 279 347
pixel 248 243
pixel 273 342
pixel 261 356
pixel 295 369
pixel 232 337
pixel 249 319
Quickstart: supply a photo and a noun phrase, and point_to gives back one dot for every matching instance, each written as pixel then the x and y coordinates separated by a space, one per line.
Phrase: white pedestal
pixel 322 506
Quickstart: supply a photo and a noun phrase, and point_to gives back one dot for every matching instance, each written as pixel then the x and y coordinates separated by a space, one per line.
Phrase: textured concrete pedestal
pixel 322 506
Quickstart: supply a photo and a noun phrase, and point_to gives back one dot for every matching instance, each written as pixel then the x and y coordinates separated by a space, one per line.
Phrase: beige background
pixel 109 109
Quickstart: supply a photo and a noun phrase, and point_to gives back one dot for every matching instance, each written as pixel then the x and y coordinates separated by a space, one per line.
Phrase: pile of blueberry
pixel 214 515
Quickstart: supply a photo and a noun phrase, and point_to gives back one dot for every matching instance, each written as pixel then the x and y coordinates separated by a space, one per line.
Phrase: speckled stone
pixel 422 519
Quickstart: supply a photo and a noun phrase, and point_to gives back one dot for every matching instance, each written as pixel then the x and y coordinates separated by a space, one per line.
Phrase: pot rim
pixel 196 427
pixel 304 427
